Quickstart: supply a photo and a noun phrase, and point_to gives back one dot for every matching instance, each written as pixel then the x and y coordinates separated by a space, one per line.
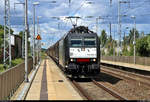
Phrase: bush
pixel 131 52
pixel 125 51
pixel 1 67
pixel 17 61
pixel 110 52
pixel 142 47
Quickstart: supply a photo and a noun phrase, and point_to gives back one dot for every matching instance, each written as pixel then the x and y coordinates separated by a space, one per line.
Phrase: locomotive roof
pixel 80 30
pixel 76 30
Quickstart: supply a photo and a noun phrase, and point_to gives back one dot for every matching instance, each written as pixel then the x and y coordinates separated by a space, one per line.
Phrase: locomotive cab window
pixel 90 41
pixel 76 42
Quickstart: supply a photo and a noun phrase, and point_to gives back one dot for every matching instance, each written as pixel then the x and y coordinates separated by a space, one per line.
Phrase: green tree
pixel 148 41
pixel 131 36
pixel 103 38
pixel 21 33
pixel 109 45
pixel 1 38
pixel 131 50
pixel 125 51
pixel 103 52
pixel 142 46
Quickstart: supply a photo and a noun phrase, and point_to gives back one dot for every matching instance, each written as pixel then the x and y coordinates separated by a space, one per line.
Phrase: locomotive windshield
pixel 76 42
pixel 90 41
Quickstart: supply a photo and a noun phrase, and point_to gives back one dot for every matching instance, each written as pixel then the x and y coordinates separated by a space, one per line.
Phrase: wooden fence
pixel 128 59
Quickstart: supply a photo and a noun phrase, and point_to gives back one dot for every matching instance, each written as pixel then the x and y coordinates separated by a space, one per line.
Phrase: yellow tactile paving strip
pixel 135 66
pixel 56 90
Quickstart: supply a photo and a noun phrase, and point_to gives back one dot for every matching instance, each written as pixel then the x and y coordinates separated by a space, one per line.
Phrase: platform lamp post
pixel 34 4
pixel 133 17
pixel 121 45
pixel 38 33
pixel 26 41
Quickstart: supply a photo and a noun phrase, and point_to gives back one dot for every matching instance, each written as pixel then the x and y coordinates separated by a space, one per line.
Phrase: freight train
pixel 78 52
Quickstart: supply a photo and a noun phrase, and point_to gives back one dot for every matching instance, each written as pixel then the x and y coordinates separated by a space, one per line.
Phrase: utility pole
pixel 33 36
pixel 134 37
pixel 114 44
pixel 37 40
pixel 110 28
pixel 134 40
pixel 119 26
pixel 119 23
pixel 97 31
pixel 23 36
pixel 35 3
pixel 7 36
pixel 40 44
pixel 97 25
pixel 26 41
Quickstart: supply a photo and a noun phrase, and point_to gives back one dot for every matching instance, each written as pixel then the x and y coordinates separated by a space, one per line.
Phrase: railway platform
pixel 50 84
pixel 128 65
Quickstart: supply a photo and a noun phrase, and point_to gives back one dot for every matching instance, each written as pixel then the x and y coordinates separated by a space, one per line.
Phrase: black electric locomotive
pixel 78 52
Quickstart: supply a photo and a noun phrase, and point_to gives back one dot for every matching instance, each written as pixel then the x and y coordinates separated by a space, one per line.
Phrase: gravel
pixel 95 92
pixel 127 89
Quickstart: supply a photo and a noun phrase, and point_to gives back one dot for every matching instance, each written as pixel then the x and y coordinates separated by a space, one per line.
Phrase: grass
pixel 43 55
pixel 14 63
pixel 1 68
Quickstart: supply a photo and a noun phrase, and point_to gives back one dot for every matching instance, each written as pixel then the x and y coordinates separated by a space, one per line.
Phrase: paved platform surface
pixel 51 84
pixel 135 66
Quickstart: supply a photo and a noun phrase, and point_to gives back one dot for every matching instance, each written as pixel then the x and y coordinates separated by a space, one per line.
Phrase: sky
pixel 52 29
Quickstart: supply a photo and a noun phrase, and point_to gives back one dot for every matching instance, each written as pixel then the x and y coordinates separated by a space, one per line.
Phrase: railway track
pixel 113 93
pixel 85 94
pixel 107 87
pixel 127 75
pixel 100 86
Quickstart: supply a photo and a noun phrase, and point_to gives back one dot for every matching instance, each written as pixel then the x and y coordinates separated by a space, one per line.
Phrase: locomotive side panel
pixel 57 51
pixel 98 49
pixel 61 53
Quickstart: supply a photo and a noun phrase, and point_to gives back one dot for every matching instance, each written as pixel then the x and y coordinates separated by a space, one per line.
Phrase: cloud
pixel 49 27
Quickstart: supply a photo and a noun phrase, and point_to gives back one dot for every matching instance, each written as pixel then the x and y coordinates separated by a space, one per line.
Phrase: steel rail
pixel 110 68
pixel 85 94
pixel 116 95
pixel 126 77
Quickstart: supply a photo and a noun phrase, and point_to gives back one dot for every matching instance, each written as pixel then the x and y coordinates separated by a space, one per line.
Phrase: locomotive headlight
pixel 71 60
pixel 94 59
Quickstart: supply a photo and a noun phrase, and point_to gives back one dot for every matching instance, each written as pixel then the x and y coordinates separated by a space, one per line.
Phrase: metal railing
pixel 11 79
pixel 128 59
